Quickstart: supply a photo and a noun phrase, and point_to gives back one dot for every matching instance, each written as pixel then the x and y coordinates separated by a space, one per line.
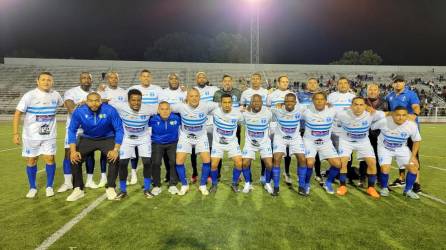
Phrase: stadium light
pixel 255 31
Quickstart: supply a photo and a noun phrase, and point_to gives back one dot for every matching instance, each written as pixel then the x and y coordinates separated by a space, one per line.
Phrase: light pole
pixel 255 32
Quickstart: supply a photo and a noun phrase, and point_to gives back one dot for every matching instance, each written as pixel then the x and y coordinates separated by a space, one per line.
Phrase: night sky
pixel 403 32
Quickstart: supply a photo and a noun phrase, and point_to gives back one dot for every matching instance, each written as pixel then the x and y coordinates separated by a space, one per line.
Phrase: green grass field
pixel 225 220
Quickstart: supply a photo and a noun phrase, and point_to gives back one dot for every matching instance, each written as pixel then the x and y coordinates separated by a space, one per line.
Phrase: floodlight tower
pixel 255 31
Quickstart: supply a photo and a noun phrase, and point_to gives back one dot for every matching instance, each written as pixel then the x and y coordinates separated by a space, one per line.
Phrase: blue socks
pixel 343 178
pixel 181 170
pixel 247 174
pixel 123 185
pixel 410 180
pixel 267 175
pixel 205 171
pixel 147 183
pixel 371 180
pixel 66 166
pixel 31 171
pixel 302 175
pixel 50 171
pixel 276 176
pixel 384 180
pixel 214 176
pixel 332 173
pixel 134 163
pixel 235 175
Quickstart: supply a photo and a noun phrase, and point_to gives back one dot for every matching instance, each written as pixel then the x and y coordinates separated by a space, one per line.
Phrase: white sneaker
pixel 91 184
pixel 49 192
pixel 134 179
pixel 65 187
pixel 111 193
pixel 247 188
pixel 173 190
pixel 156 191
pixel 203 189
pixel 102 182
pixel 287 179
pixel 183 190
pixel 31 193
pixel 76 194
pixel 268 188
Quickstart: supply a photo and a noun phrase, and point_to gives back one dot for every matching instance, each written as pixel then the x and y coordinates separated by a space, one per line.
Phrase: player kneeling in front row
pixel 226 120
pixel 136 136
pixel 392 143
pixel 39 130
pixel 257 119
pixel 287 134
pixel 354 136
pixel 317 140
pixel 102 128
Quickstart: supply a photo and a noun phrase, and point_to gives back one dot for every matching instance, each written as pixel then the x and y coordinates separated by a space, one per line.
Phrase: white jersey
pixel 288 123
pixel 150 95
pixel 245 99
pixel 77 95
pixel 356 128
pixel 394 136
pixel 277 97
pixel 115 97
pixel 172 96
pixel 193 120
pixel 40 114
pixel 257 126
pixel 318 124
pixel 225 125
pixel 340 101
pixel 207 95
pixel 135 123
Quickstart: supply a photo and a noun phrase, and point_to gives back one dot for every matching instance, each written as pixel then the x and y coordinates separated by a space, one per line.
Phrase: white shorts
pixel 249 151
pixel 402 156
pixel 185 144
pixel 127 150
pixel 233 149
pixel 34 148
pixel 326 149
pixel 296 146
pixel 363 149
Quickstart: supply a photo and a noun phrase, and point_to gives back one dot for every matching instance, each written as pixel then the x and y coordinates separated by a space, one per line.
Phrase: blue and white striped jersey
pixel 340 101
pixel 394 136
pixel 150 94
pixel 248 93
pixel 288 123
pixel 277 97
pixel 225 125
pixel 318 124
pixel 193 120
pixel 356 128
pixel 257 126
pixel 136 123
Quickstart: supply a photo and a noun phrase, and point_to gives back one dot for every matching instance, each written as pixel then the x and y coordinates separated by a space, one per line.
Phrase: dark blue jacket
pixel 104 123
pixel 165 131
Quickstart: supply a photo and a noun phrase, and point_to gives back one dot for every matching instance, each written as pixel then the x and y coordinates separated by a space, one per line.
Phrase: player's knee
pixel 30 162
pixel 49 159
pixel 385 169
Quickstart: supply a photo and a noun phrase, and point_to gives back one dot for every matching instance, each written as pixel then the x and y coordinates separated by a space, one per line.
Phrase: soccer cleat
pixel 31 193
pixel 65 187
pixel 384 192
pixel 133 179
pixel 318 178
pixel 49 192
pixel 183 190
pixel 247 188
pixel 102 182
pixel 121 196
pixel 328 187
pixel 275 191
pixel 148 194
pixel 302 191
pixel 307 188
pixel 416 187
pixel 156 191
pixel 203 190
pixel 287 179
pixel 268 188
pixel 342 190
pixel 111 193
pixel 173 190
pixel 76 194
pixel 411 194
pixel 234 188
pixel 193 179
pixel 213 189
pixel 91 184
pixel 372 192
pixel 262 180
pixel 397 183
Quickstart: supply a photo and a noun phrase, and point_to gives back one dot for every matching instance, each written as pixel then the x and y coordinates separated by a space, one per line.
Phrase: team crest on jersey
pixel 151 94
pixel 403 134
pixel 234 98
pixel 54 102
pixel 263 121
pixel 206 93
pixel 173 123
pixel 328 119
pixel 365 123
pixel 120 98
pixel 142 117
pixel 102 116
pixel 233 121
pixel 201 115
